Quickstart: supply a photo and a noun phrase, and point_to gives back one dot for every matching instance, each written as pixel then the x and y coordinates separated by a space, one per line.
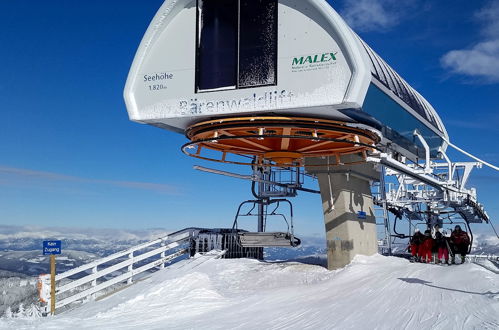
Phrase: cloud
pixel 10 175
pixel 375 15
pixel 482 59
pixel 488 17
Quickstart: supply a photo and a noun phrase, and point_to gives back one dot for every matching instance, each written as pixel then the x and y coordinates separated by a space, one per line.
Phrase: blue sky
pixel 69 156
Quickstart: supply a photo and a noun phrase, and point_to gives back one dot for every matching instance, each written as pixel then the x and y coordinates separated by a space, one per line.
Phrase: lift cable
pixel 481 161
pixel 470 155
pixel 490 222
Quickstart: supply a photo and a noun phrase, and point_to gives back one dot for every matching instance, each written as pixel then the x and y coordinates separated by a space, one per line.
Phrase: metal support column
pixel 388 233
pixel 261 188
pixel 261 216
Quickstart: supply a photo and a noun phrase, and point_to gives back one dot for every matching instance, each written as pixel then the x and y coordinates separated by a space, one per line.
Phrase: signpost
pixel 52 248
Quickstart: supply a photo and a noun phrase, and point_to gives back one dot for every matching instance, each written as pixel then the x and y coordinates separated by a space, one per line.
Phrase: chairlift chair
pixel 449 221
pixel 262 238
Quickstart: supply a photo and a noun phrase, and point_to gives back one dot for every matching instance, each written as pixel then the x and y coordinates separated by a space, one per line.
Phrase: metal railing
pixel 118 268
pixel 477 257
pixel 481 260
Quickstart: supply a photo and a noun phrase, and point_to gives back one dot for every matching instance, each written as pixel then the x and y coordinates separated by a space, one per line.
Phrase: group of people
pixel 438 245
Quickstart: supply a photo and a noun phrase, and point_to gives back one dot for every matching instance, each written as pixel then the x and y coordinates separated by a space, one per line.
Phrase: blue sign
pixel 51 247
pixel 361 215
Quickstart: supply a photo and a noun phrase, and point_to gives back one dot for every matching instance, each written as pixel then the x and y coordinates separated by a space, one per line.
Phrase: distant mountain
pixel 312 247
pixel 485 244
pixel 21 246
pixel 33 263
pixel 97 241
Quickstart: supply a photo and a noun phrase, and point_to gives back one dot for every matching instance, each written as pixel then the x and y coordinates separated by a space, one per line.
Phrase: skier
pixel 416 241
pixel 426 247
pixel 434 249
pixel 460 242
pixel 441 244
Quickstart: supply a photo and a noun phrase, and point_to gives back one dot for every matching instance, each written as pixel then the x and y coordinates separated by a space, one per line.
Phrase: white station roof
pixel 206 59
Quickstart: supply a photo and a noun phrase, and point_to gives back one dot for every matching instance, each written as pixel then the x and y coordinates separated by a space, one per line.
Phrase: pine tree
pixel 20 311
pixel 8 312
pixel 33 311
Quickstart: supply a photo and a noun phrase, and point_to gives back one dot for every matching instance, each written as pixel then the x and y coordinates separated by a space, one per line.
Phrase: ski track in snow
pixel 371 293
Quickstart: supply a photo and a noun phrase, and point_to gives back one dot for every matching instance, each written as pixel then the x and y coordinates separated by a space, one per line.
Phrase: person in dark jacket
pixel 426 247
pixel 416 241
pixel 434 250
pixel 441 244
pixel 459 242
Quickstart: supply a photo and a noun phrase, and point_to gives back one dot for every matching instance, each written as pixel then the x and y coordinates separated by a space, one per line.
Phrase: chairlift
pixel 466 225
pixel 449 221
pixel 262 238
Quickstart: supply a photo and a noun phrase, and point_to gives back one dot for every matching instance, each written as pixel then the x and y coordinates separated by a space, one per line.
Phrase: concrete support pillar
pixel 348 208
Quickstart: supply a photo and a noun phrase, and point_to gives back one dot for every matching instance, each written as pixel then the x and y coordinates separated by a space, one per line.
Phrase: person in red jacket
pixel 416 241
pixel 441 244
pixel 426 247
pixel 460 242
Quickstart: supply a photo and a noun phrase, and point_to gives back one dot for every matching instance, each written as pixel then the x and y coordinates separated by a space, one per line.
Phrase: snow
pixel 371 293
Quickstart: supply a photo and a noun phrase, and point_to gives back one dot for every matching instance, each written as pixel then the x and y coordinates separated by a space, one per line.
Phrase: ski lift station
pixel 287 89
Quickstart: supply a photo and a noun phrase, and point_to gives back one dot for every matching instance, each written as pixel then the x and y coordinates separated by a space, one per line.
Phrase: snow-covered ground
pixel 371 293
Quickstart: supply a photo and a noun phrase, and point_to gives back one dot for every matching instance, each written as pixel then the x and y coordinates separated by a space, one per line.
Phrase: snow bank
pixel 371 293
